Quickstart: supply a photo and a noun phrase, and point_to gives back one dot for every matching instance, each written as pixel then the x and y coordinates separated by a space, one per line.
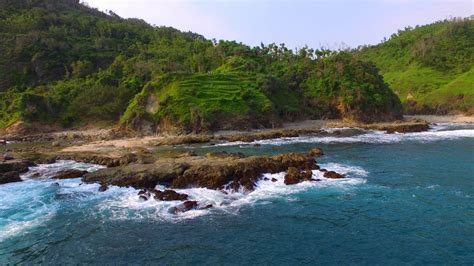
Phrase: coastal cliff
pixel 70 65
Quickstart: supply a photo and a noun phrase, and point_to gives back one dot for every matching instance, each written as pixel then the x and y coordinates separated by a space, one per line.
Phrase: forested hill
pixel 430 67
pixel 67 64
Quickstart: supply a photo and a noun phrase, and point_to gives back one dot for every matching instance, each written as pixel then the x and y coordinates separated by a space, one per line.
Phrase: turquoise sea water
pixel 410 200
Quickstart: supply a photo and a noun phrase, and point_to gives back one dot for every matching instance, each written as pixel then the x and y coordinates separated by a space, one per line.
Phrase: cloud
pixel 184 15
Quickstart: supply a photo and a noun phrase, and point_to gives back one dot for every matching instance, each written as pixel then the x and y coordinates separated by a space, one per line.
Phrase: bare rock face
pixel 272 134
pixel 209 172
pixel 333 175
pixel 185 206
pixel 239 172
pixel 416 125
pixel 295 176
pixel 16 165
pixel 9 177
pixel 138 175
pixel 316 152
pixel 169 195
pixel 71 173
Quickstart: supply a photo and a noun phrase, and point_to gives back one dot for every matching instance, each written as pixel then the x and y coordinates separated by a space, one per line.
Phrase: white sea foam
pixel 31 203
pixel 45 171
pixel 128 206
pixel 35 201
pixel 439 132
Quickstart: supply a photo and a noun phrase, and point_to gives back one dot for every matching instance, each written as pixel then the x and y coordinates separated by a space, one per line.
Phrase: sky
pixel 316 23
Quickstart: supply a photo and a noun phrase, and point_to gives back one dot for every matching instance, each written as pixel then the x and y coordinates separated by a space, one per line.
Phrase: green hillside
pixel 66 64
pixel 429 67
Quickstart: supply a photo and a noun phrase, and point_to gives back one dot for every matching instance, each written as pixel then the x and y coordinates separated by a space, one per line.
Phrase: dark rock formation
pixel 185 139
pixel 138 175
pixel 102 160
pixel 241 172
pixel 71 173
pixel 295 176
pixel 144 195
pixel 271 134
pixel 212 173
pixel 168 195
pixel 186 206
pixel 16 165
pixel 9 177
pixel 316 152
pixel 333 175
pixel 416 125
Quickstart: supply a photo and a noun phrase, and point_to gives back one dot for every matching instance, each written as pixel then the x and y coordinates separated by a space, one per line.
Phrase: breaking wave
pixel 436 133
pixel 36 200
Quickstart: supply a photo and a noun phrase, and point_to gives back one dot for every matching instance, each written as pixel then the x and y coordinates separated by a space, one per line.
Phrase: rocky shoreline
pixel 77 137
pixel 130 163
pixel 224 172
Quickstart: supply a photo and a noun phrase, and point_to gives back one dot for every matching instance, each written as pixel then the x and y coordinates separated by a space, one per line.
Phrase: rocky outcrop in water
pixel 9 177
pixel 139 175
pixel 316 152
pixel 295 176
pixel 416 125
pixel 15 165
pixel 269 134
pixel 185 206
pixel 168 195
pixel 68 174
pixel 196 171
pixel 11 169
pixel 333 175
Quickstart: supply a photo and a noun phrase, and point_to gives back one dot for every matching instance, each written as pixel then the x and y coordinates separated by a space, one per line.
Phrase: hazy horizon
pixel 314 23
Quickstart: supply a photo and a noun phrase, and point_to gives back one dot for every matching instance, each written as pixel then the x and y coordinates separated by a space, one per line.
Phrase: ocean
pixel 409 199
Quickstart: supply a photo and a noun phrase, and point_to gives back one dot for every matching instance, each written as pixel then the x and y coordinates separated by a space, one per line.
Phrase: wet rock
pixel 190 204
pixel 316 152
pixel 138 175
pixel 333 175
pixel 71 173
pixel 102 160
pixel 206 207
pixel 197 171
pixel 242 172
pixel 323 170
pixel 10 177
pixel 408 128
pixel 144 195
pixel 169 195
pixel 186 206
pixel 177 154
pixel 16 165
pixel 224 154
pixel 36 174
pixel 271 134
pixel 416 125
pixel 103 187
pixel 295 176
pixel 274 179
pixel 186 139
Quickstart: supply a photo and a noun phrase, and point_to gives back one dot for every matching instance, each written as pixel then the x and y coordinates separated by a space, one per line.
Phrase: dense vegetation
pixel 64 63
pixel 430 67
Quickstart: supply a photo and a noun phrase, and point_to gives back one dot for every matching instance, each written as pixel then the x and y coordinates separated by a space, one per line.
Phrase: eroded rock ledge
pixel 213 172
